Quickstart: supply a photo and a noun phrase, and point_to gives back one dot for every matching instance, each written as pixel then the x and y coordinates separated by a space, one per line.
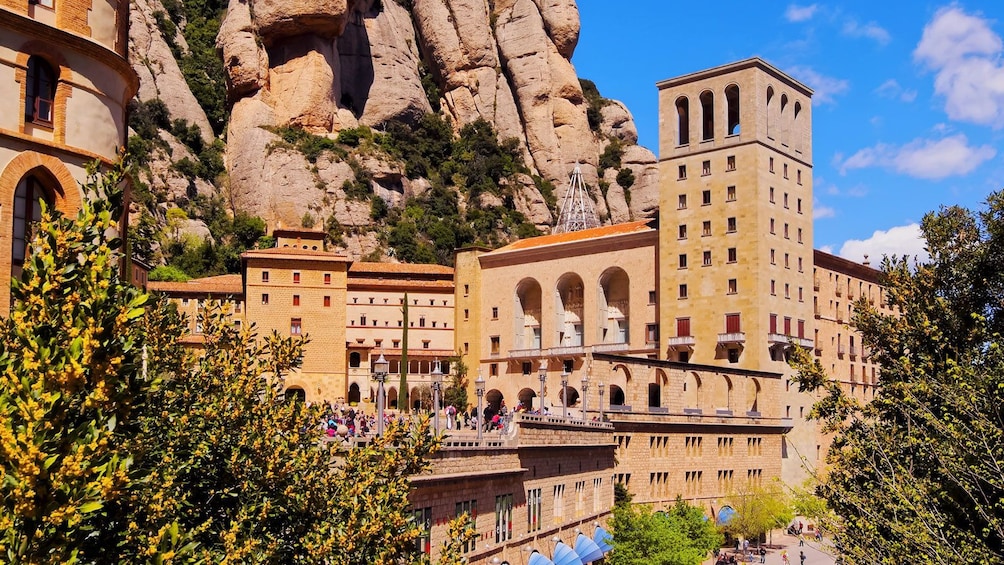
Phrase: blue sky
pixel 908 110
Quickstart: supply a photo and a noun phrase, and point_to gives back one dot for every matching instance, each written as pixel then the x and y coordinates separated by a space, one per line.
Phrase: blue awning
pixel 587 549
pixel 564 555
pixel 537 558
pixel 602 539
pixel 725 514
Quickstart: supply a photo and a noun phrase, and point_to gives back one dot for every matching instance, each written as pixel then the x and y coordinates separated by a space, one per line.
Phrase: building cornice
pixel 825 260
pixel 753 62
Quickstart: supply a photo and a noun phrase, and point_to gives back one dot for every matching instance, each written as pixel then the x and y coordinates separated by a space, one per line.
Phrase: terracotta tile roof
pixel 581 235
pixel 221 284
pixel 357 282
pixel 399 268
pixel 294 253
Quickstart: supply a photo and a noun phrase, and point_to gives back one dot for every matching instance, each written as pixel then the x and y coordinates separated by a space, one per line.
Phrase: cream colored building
pixel 66 82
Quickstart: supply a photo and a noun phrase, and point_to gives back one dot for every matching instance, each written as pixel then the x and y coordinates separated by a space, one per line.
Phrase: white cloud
pixel 892 89
pixel 826 249
pixel 965 54
pixel 796 13
pixel 819 212
pixel 896 241
pixel 870 30
pixel 824 87
pixel 923 158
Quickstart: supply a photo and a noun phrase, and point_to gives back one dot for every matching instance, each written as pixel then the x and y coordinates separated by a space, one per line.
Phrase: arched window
pixel 797 129
pixel 732 102
pixel 355 360
pixel 683 120
pixel 707 115
pixel 654 395
pixel 295 394
pixel 40 91
pixel 784 120
pixel 28 198
pixel 770 112
pixel 354 394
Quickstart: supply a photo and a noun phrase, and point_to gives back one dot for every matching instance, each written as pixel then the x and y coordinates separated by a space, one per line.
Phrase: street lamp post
pixel 564 395
pixel 601 387
pixel 437 385
pixel 585 398
pixel 479 389
pixel 380 369
pixel 542 374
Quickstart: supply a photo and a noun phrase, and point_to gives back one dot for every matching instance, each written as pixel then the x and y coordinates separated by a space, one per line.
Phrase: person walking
pixel 801 540
pixel 763 554
pixel 801 557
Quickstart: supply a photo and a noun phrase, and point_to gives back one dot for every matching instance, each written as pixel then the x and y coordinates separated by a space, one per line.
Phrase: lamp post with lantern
pixel 542 374
pixel 479 389
pixel 380 369
pixel 437 385
pixel 585 398
pixel 601 388
pixel 564 395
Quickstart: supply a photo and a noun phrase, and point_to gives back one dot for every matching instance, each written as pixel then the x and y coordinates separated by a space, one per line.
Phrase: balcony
pixel 734 338
pixel 839 291
pixel 840 317
pixel 850 294
pixel 610 347
pixel 567 351
pixel 854 352
pixel 682 342
pixel 524 353
pixel 774 339
pixel 841 350
pixel 815 285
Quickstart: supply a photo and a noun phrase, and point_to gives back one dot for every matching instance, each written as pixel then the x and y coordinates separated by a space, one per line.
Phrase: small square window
pixel 733 255
pixel 296 278
pixel 733 286
pixel 327 301
pixel 730 194
pixel 296 300
pixel 683 260
pixel 395 343
pixel 264 276
pixel 730 163
pixel 682 202
pixel 683 291
pixel 682 172
pixel 731 225
pixel 651 297
pixel 707 258
pixel 706 168
pixel 683 231
pixel 264 298
pixel 706 197
pixel 425 344
pixel 706 228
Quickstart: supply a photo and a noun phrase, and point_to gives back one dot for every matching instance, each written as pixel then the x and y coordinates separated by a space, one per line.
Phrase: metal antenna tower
pixel 577 207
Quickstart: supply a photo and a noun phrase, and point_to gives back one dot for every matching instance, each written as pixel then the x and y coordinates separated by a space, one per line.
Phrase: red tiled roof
pixel 581 235
pixel 221 284
pixel 399 268
pixel 356 282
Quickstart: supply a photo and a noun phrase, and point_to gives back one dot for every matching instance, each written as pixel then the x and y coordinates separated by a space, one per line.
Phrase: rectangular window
pixel 798 205
pixel 467 289
pixel 264 299
pixel 470 508
pixel 773 285
pixel 559 501
pixel 730 163
pixel 296 300
pixel 706 198
pixel 683 260
pixel 706 228
pixel 787 291
pixel 651 297
pixel 733 255
pixel 683 231
pixel 597 486
pixel 771 195
pixel 493 370
pixel 801 329
pixel 786 230
pixel 800 265
pixel 503 518
pixel 707 258
pixel 264 276
pixel 683 327
pixel 327 302
pixel 682 174
pixel 295 327
pixel 772 226
pixel 786 200
pixel 733 286
pixel 787 264
pixel 681 203
pixel 296 278
pixel 467 314
pixel 772 261
pixel 770 164
pixel 798 176
pixel 800 299
pixel 731 225
pixel 534 506
pixel 730 194
pixel 786 170
pixel 732 325
pixel 652 333
pixel 327 278
pixel 773 324
pixel 800 235
pixel 495 312
pixel 705 168
pixel 423 519
pixel 494 344
pixel 683 291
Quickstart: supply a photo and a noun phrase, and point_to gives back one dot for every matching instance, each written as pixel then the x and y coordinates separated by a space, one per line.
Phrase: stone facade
pixel 64 73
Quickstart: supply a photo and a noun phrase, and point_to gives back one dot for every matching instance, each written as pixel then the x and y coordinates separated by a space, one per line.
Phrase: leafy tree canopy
pixel 681 536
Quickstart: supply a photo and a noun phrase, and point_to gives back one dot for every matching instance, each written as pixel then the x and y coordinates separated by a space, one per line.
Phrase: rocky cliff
pixel 326 67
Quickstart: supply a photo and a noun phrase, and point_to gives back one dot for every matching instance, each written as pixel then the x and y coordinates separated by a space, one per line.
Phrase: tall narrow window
pixel 707 115
pixel 683 327
pixel 732 102
pixel 40 90
pixel 732 325
pixel 28 198
pixel 683 120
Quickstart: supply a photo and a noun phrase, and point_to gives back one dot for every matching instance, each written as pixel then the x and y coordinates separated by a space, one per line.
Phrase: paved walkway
pixel 816 553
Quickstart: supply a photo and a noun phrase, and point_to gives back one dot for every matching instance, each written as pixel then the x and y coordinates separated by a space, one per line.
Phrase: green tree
pixel 681 536
pixel 455 393
pixel 759 509
pixel 917 471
